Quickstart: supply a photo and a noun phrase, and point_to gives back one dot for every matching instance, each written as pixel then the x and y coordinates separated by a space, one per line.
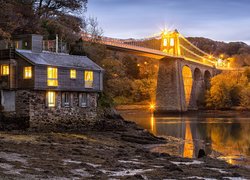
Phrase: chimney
pixel 37 43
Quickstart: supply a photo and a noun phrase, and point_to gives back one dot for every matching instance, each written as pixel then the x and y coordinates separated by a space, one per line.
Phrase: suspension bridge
pixel 184 69
pixel 167 44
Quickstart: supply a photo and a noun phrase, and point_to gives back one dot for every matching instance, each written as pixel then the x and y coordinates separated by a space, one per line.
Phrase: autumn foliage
pixel 229 89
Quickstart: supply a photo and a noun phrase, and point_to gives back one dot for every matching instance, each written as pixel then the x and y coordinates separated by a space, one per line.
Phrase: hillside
pixel 239 52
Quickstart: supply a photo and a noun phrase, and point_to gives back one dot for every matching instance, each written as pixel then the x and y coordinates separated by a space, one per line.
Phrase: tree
pixel 226 89
pixel 47 17
pixel 131 67
pixel 16 16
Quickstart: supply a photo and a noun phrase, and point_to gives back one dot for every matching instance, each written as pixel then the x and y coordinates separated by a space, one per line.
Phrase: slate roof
pixel 58 59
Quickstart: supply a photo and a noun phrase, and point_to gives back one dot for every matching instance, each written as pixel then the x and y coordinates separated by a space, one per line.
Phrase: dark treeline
pixel 46 17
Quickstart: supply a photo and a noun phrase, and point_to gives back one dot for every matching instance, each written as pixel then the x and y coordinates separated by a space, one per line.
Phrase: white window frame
pixel 48 100
pixel 81 103
pixel 66 96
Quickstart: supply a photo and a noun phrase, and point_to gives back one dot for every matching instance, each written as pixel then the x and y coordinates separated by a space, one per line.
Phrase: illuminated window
pixel 165 42
pixel 83 100
pixel 52 76
pixel 5 70
pixel 88 77
pixel 51 97
pixel 172 42
pixel 73 74
pixel 17 45
pixel 27 72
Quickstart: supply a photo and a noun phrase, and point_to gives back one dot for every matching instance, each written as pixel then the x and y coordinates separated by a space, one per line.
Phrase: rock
pixel 173 167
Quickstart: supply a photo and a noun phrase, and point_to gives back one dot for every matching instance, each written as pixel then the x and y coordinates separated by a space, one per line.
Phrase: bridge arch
pixel 207 78
pixel 197 74
pixel 187 77
pixel 198 89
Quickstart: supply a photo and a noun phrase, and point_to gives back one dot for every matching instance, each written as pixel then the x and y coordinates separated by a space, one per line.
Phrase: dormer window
pixel 52 76
pixel 5 70
pixel 27 72
pixel 89 78
pixel 72 74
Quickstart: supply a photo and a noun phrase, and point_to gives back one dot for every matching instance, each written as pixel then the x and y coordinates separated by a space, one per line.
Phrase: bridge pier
pixel 169 92
pixel 179 90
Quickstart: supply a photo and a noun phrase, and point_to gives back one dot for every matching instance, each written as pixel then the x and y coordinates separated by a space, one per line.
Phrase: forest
pixel 128 79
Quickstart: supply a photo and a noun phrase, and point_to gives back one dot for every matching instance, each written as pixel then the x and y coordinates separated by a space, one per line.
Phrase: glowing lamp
pixel 152 107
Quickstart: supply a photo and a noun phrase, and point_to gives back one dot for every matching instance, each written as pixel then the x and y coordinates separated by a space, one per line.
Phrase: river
pixel 222 134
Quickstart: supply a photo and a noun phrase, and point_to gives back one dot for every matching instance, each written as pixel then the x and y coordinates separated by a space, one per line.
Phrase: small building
pixel 48 89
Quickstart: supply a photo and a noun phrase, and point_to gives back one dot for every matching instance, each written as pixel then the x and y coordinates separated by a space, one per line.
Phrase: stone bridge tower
pixel 181 83
pixel 170 43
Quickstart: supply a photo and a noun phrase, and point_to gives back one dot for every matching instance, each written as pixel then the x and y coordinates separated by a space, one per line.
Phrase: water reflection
pixel 226 138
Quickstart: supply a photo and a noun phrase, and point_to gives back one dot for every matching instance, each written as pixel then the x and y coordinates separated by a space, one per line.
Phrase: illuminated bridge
pixel 184 70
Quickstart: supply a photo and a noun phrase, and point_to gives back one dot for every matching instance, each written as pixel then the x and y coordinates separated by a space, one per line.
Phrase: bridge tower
pixel 170 43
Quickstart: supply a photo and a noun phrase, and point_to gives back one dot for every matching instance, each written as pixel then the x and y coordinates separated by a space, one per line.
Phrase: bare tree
pixel 93 29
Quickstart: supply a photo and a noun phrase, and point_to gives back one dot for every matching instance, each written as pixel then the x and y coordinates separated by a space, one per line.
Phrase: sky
pixel 221 20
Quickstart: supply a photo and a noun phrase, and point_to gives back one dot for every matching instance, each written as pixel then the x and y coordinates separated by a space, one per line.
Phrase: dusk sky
pixel 222 20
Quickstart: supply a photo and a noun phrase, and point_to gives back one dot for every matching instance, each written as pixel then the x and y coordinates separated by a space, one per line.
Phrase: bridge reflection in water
pixel 226 138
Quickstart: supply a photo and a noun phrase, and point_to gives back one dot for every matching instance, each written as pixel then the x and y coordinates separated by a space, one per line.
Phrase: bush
pixel 245 96
pixel 226 89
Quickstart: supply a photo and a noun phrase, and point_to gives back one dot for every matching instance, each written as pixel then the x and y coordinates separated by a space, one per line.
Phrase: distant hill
pixel 217 47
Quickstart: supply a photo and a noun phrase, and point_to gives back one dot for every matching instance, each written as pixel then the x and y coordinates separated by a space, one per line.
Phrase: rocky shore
pixel 115 149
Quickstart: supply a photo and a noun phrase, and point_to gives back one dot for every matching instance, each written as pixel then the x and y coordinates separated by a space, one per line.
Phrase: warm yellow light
pixel 73 74
pixel 172 42
pixel 51 99
pixel 219 61
pixel 188 83
pixel 145 62
pixel 210 56
pixel 5 70
pixel 138 65
pixel 222 56
pixel 165 42
pixel 89 78
pixel 52 76
pixel 28 72
pixel 152 107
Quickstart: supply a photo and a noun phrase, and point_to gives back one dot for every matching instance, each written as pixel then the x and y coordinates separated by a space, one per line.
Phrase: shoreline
pixel 146 107
pixel 118 153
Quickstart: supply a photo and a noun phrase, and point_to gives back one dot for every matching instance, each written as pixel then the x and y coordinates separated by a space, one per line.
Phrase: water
pixel 224 135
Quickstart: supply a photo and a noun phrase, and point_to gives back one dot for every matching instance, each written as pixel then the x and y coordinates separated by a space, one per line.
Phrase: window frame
pixel 49 103
pixel 52 81
pixel 69 98
pixel 80 98
pixel 2 70
pixel 71 73
pixel 29 73
pixel 89 84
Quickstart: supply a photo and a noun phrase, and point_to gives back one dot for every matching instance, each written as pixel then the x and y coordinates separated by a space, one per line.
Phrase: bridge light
pixel 152 107
pixel 222 56
pixel 210 56
pixel 165 42
pixel 145 62
pixel 172 42
pixel 138 65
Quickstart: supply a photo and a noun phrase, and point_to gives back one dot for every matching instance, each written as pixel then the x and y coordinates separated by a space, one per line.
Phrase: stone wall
pixel 31 105
pixel 170 95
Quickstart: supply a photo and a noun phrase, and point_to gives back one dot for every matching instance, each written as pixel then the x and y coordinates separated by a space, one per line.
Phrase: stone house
pixel 47 89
